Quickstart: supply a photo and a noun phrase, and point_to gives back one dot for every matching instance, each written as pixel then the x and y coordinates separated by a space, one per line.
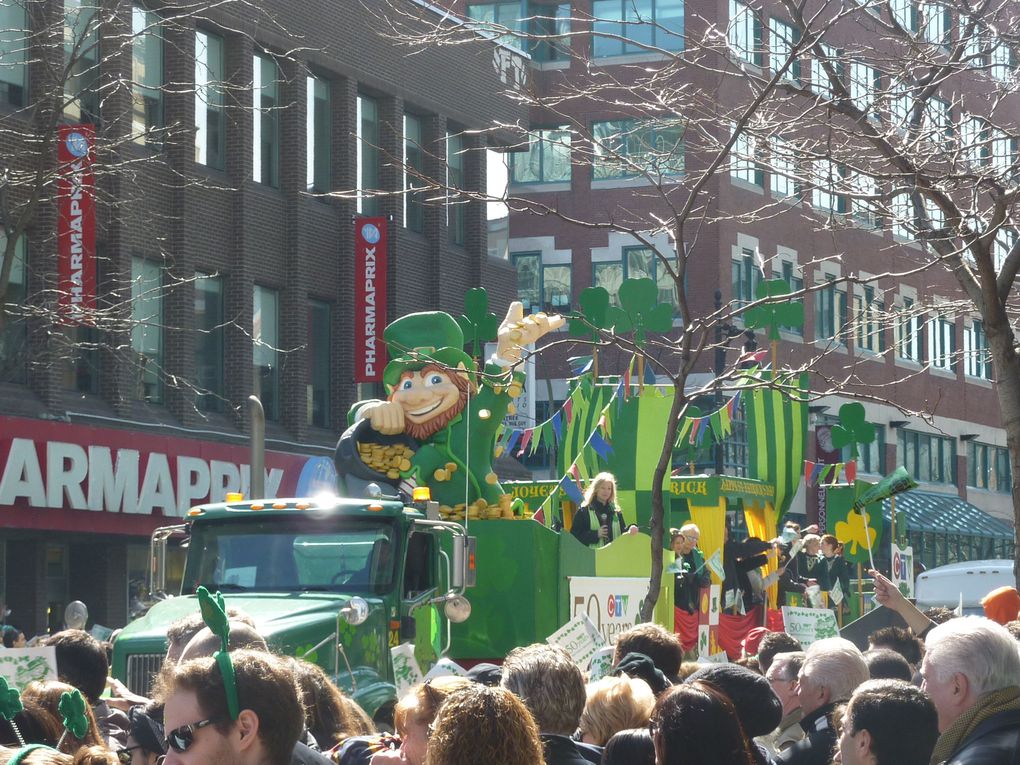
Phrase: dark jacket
pixel 832 570
pixel 586 527
pixel 691 575
pixel 562 750
pixel 738 559
pixel 996 741
pixel 819 743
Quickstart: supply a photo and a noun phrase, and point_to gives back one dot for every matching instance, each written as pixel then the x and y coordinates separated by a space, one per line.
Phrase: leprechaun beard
pixel 423 431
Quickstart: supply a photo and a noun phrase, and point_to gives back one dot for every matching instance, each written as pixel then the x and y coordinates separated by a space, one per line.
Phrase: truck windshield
pixel 274 554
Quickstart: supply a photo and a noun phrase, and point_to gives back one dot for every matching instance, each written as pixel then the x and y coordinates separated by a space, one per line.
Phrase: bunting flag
pixel 809 472
pixel 570 489
pixel 557 424
pixel 815 472
pixel 684 431
pixel 568 408
pixel 512 441
pixel 600 445
pixel 525 440
pixel 580 365
pixel 582 468
pixel 626 382
pixel 851 471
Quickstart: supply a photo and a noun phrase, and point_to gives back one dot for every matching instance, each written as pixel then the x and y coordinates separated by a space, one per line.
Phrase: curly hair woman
pixel 481 724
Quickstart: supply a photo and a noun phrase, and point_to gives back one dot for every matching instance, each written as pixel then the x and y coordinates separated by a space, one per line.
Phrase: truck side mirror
pixel 457 608
pixel 355 612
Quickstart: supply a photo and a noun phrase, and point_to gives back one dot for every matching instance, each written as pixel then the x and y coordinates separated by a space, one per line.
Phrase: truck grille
pixel 141 668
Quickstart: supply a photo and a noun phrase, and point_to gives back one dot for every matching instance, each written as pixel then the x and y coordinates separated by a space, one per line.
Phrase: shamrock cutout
pixel 856 531
pixel 789 313
pixel 72 712
pixel 853 429
pixel 639 312
pixel 478 325
pixel 594 302
pixel 214 614
pixel 10 700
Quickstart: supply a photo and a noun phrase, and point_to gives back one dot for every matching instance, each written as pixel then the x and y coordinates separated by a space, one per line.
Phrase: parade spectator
pixel 145 744
pixel 971 670
pixel 630 747
pixel 180 632
pixel 1002 604
pixel 479 724
pixel 810 556
pixel 42 701
pixel 551 686
pixel 205 643
pixel 1014 628
pixel 752 640
pixel 939 614
pixel 598 521
pixel 614 704
pixel 832 669
pixel 199 728
pixel 13 637
pixel 774 643
pixel 782 676
pixel 757 706
pixel 834 571
pixel 901 640
pixel 696 724
pixel 688 567
pixel 888 722
pixel 35 754
pixel 887 664
pixel 329 717
pixel 655 642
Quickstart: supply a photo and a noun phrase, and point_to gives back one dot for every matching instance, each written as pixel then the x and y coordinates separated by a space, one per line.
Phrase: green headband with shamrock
pixel 22 753
pixel 72 712
pixel 214 614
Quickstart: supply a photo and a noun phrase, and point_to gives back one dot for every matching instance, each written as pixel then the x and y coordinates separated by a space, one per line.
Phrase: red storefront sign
pixel 69 477
pixel 76 222
pixel 369 298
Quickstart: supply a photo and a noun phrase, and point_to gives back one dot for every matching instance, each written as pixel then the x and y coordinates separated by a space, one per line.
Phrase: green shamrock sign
pixel 853 429
pixel 478 325
pixel 72 712
pixel 639 311
pixel 789 313
pixel 10 700
pixel 594 303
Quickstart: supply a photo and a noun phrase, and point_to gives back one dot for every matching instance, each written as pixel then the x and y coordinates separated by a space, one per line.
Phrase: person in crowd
pixel 782 676
pixel 688 567
pixel 1014 628
pixel 614 704
pixel 886 664
pixel 1002 604
pixel 696 724
pixel 551 686
pixel 180 632
pixel 901 640
pixel 888 722
pixel 82 662
pixel 834 570
pixel 752 640
pixel 145 744
pixel 757 706
pixel 658 644
pixel 199 727
pixel 630 747
pixel 13 637
pixel 832 669
pixel 205 643
pixel 810 556
pixel 486 674
pixel 34 754
pixel 598 521
pixel 939 614
pixel 42 700
pixel 479 724
pixel 329 715
pixel 774 643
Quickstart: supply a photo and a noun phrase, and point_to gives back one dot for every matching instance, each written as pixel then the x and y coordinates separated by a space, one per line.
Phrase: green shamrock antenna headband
pixel 10 705
pixel 72 712
pixel 214 614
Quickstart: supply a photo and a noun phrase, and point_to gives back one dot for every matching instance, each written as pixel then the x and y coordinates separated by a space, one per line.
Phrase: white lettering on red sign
pixel 370 311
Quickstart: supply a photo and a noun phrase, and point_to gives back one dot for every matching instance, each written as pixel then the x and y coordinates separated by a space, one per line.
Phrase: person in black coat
pixel 598 521
pixel 739 558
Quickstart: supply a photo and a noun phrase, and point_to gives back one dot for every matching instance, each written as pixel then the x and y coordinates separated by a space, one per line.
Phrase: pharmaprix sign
pixel 61 467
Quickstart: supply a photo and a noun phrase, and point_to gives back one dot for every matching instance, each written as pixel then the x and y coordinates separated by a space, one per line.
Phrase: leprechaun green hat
pixel 428 337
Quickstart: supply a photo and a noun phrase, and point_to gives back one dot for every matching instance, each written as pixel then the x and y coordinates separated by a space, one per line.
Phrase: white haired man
pixel 832 670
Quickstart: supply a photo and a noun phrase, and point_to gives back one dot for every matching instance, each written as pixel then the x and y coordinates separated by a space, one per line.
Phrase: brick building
pixel 219 132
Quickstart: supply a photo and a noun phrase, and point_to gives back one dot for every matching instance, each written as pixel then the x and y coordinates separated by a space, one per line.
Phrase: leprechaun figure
pixel 430 381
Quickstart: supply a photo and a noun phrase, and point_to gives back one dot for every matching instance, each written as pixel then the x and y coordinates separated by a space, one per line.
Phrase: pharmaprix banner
pixel 76 223
pixel 369 298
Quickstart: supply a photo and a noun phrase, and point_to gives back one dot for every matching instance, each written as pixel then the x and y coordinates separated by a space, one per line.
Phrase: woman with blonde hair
pixel 615 704
pixel 598 521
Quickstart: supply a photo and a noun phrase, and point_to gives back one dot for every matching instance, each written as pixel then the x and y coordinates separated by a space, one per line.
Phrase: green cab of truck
pixel 334 581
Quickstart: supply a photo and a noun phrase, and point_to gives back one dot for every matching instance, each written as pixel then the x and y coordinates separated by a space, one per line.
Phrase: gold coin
pixel 450 467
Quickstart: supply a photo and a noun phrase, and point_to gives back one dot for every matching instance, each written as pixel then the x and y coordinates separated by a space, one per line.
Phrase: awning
pixel 946 514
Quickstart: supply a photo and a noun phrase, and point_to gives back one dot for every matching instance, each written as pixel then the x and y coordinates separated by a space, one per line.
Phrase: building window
pixel 1003 154
pixel 210 101
pixel 266 349
pixel 743 166
pixel 549 30
pixel 942 342
pixel 547 159
pixel 908 332
pixel 862 203
pixel 14 335
pixel 637 263
pixel 821 82
pixel 988 468
pixel 368 156
pixel 319 363
pixel 828 178
pixel 974 135
pixel 831 312
pixel 937 21
pixel 147 328
pixel 626 148
pixel 146 76
pixel 456 210
pixel 904 12
pixel 507 15
pixel 901 211
pixel 81 56
pixel 927 457
pixel 744 33
pixel 865 85
pixel 414 170
pixel 209 321
pixel 1004 242
pixel 784 181
pixel 977 359
pixel 745 277
pixel 318 136
pixel 1003 61
pixel 625 26
pixel 869 312
pixel 542 287
pixel 782 38
pixel 266 122
pixel 14 45
pixel 789 275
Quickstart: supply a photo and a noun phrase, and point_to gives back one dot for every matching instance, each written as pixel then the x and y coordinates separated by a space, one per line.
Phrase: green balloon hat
pixel 419 339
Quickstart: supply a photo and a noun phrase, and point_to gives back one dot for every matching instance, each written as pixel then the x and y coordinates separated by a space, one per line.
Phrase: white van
pixel 944 586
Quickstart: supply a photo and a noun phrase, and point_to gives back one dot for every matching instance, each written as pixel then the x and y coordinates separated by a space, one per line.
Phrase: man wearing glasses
pixel 782 676
pixel 199 728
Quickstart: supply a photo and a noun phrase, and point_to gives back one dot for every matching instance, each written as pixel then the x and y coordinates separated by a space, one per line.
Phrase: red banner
pixel 369 298
pixel 76 223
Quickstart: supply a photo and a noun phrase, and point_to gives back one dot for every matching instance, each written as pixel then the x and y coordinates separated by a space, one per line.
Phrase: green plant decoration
pixel 853 429
pixel 214 614
pixel 774 315
pixel 639 311
pixel 72 712
pixel 10 700
pixel 478 325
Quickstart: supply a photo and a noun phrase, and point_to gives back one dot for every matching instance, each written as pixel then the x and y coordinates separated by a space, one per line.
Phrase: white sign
pixel 525 403
pixel 903 569
pixel 21 666
pixel 601 663
pixel 406 672
pixel 446 668
pixel 612 603
pixel 580 637
pixel 809 624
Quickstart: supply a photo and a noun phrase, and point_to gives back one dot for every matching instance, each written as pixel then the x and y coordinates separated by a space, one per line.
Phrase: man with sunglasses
pixel 199 728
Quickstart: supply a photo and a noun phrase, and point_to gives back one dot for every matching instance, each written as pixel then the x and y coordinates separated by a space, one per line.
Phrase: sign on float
pixel 369 298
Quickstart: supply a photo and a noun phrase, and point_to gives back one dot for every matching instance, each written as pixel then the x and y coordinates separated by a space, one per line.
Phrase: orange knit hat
pixel 1002 604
